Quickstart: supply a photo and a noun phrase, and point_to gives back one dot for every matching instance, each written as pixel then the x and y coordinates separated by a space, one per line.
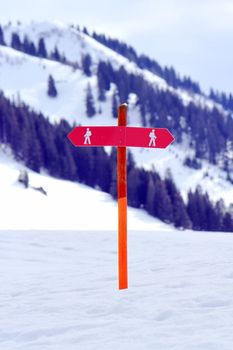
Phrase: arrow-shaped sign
pixel 148 137
pixel 120 136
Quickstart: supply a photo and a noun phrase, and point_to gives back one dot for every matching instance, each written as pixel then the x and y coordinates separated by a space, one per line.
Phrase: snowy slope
pixel 67 205
pixel 59 291
pixel 59 274
pixel 74 44
pixel 23 77
pixel 30 82
pixel 209 177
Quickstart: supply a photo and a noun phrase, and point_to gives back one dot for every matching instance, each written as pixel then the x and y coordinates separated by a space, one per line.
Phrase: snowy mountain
pixel 58 237
pixel 73 44
pixel 63 53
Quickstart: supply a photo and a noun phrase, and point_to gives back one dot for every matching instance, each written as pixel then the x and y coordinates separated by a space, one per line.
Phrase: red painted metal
pixel 120 136
pixel 122 202
pixel 100 136
pixel 148 137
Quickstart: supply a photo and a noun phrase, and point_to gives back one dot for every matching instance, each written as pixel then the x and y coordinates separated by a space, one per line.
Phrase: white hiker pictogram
pixel 87 140
pixel 152 138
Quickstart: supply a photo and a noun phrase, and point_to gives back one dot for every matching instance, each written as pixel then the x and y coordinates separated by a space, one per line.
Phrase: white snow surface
pixel 59 283
pixel 59 291
pixel 66 205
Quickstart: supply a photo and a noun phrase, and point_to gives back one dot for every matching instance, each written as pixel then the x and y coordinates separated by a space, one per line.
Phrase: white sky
pixel 194 36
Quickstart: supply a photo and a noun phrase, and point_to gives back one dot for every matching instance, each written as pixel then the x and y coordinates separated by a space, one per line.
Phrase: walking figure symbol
pixel 152 138
pixel 87 137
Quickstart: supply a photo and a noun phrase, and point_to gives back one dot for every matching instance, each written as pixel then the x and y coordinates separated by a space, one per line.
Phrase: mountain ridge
pixel 48 30
pixel 90 88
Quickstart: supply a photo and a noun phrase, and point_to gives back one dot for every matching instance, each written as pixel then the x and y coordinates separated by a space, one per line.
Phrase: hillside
pixel 67 205
pixel 73 45
pixel 92 75
pixel 58 203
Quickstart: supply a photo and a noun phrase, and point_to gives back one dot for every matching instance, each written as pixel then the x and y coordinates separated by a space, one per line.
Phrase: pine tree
pixel 113 165
pixel 2 41
pixel 180 215
pixel 162 202
pixel 52 91
pixel 195 209
pixel 227 225
pixel 86 65
pixel 55 55
pixel 32 49
pixel 102 169
pixel 142 189
pixel 122 83
pixel 16 42
pixel 26 45
pixel 133 188
pixel 90 108
pixel 103 78
pixel 130 161
pixel 149 205
pixel 115 103
pixel 42 52
pixel 85 31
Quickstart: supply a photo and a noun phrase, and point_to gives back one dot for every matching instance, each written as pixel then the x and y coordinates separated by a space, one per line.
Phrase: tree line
pixel 143 61
pixel 208 131
pixel 167 73
pixel 44 146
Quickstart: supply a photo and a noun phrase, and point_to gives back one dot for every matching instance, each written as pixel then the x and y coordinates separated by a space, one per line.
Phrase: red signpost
pixel 122 201
pixel 121 136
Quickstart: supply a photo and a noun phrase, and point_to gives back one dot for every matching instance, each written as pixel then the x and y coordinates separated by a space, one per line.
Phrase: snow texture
pixel 59 274
pixel 59 291
pixel 64 207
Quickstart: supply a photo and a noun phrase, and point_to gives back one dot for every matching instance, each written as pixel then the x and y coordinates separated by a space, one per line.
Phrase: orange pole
pixel 122 204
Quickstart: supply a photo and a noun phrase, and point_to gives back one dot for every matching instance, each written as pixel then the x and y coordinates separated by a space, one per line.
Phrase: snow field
pixel 67 205
pixel 59 290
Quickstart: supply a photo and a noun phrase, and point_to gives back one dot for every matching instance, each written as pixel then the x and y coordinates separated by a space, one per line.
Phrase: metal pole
pixel 122 204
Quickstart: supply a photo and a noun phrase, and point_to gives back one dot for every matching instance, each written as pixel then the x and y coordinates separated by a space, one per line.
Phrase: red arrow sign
pixel 148 137
pixel 120 136
pixel 95 136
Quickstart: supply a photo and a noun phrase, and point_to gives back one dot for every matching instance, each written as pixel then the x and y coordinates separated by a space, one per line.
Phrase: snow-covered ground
pixel 73 43
pixel 67 205
pixel 59 291
pixel 58 274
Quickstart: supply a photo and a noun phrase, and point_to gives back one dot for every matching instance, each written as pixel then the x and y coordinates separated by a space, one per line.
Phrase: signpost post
pixel 121 136
pixel 122 204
